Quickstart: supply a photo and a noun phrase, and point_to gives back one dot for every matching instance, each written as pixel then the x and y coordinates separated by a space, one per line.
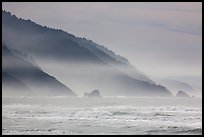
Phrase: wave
pixel 172 130
pixel 163 114
pixel 118 113
pixel 191 131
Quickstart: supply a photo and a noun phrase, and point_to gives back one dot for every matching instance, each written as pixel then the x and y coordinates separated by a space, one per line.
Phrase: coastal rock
pixel 95 93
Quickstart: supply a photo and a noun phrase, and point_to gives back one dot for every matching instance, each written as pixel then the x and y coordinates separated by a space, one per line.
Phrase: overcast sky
pixel 160 39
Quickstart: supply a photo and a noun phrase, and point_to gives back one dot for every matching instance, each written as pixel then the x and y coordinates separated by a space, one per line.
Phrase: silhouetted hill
pixel 14 87
pixel 19 72
pixel 78 62
pixel 174 86
pixel 182 94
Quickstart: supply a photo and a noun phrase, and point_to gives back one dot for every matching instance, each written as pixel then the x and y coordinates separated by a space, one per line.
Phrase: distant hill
pixel 174 86
pixel 78 62
pixel 21 77
pixel 182 94
pixel 14 87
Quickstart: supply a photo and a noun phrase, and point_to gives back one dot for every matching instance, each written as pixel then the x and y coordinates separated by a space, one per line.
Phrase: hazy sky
pixel 160 39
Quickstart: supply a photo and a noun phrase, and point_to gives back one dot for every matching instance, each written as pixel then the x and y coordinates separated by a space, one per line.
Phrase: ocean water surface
pixel 107 115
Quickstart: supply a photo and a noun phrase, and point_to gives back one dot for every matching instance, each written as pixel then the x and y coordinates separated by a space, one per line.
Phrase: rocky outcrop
pixel 95 93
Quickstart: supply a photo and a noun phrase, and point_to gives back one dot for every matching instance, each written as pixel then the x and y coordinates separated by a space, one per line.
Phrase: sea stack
pixel 95 93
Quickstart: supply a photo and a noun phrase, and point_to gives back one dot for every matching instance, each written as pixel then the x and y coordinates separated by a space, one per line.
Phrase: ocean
pixel 99 116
